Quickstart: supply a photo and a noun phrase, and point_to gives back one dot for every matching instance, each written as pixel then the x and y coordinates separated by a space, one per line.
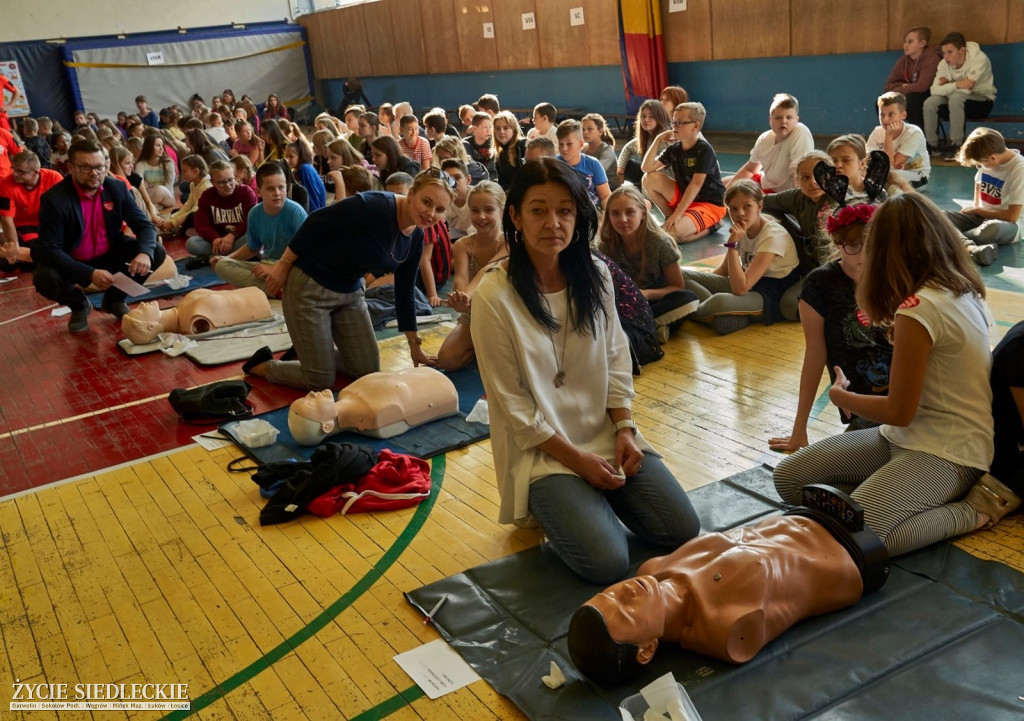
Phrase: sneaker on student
pixel 726 324
pixel 663 332
pixel 117 309
pixel 78 322
pixel 715 228
pixel 951 151
pixel 918 184
pixel 983 254
pixel 196 261
pixel 936 150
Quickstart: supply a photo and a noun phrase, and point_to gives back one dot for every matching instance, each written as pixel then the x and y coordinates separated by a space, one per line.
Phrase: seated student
pixel 509 150
pixel 466 113
pixel 221 217
pixel 570 151
pixel 349 121
pixel 386 112
pixel 122 165
pixel 998 194
pixel 400 111
pixel 59 157
pixel 216 132
pixel 450 147
pixel 773 155
pixel 246 143
pixel 245 173
pixel 436 124
pixel 488 103
pixel 274 109
pixel 35 143
pixel 1007 380
pixel 649 255
pixel 913 73
pixel 82 240
pixel 651 121
pixel 472 255
pixel 387 158
pixel 538 148
pixel 157 170
pixel 902 142
pixel 672 96
pixel 836 332
pixel 320 140
pixel 300 159
pixel 458 217
pixel 369 130
pixel 544 118
pixel 352 179
pixel 272 142
pixel 478 143
pixel 411 143
pixel 20 196
pixel 271 225
pixel 194 172
pixel 692 203
pixel 199 143
pixel 965 83
pixel 598 142
pixel 760 264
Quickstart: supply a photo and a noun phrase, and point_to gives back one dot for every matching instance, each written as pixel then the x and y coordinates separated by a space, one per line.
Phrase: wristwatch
pixel 730 244
pixel 628 423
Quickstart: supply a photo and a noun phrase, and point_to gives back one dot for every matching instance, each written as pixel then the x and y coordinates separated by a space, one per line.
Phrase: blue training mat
pixel 426 441
pixel 204 277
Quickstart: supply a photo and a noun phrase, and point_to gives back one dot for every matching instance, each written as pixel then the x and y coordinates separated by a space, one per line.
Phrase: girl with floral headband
pixel 836 332
pixel 935 445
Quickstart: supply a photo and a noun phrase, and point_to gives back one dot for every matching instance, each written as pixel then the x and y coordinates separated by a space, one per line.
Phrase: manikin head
pixel 313 417
pixel 144 322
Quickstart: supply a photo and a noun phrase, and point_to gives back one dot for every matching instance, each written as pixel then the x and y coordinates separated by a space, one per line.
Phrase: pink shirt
pixel 94 234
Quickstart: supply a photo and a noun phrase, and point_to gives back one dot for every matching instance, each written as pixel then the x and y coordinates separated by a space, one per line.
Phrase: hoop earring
pixel 517 237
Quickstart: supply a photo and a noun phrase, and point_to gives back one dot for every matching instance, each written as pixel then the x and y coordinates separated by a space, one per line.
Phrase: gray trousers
pixel 984 231
pixel 239 273
pixel 330 331
pixel 957 116
pixel 716 298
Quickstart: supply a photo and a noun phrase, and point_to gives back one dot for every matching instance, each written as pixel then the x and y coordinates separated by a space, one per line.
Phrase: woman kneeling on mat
pixel 936 438
pixel 556 367
pixel 322 271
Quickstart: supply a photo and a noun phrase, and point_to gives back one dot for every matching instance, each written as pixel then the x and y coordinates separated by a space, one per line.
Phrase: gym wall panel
pixel 1015 23
pixel 983 22
pixel 749 29
pixel 602 18
pixel 440 41
pixel 384 51
pixel 688 33
pixel 561 45
pixel 517 48
pixel 328 55
pixel 475 51
pixel 827 27
pixel 408 34
pixel 348 30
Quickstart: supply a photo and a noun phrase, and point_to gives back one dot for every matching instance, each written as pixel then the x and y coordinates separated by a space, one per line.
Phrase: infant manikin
pixel 381 405
pixel 200 311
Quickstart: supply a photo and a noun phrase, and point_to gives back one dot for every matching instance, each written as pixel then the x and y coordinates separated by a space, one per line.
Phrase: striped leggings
pixel 910 498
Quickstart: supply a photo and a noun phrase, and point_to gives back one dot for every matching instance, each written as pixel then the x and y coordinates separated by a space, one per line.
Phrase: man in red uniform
pixel 6 85
pixel 20 193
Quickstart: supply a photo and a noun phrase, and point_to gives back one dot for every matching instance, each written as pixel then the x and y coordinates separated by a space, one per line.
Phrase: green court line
pixel 395 703
pixel 261 664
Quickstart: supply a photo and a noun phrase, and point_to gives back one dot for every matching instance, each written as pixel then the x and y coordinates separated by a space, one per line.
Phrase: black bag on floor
pixel 212 403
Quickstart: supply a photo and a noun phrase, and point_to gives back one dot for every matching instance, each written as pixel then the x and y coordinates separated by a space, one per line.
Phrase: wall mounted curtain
pixel 644 73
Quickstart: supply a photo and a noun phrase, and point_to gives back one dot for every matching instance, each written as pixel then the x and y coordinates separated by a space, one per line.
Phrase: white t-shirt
pixel 551 134
pixel 777 159
pixel 773 238
pixel 459 221
pixel 954 415
pixel 910 142
pixel 1003 185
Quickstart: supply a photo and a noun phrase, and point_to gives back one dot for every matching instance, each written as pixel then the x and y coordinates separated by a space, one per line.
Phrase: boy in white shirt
pixel 964 81
pixel 544 115
pixel 902 142
pixel 998 194
pixel 775 151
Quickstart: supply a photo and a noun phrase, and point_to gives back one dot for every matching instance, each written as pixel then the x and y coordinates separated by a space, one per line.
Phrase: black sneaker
pixel 78 322
pixel 118 309
pixel 936 150
pixel 951 151
pixel 196 261
pixel 918 184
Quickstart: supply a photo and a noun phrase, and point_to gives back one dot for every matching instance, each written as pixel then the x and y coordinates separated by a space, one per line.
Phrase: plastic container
pixel 636 706
pixel 256 433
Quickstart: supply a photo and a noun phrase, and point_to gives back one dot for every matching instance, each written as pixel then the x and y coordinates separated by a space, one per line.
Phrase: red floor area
pixel 51 377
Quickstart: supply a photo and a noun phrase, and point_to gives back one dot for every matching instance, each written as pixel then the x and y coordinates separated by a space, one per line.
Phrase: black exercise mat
pixel 941 640
pixel 426 441
pixel 204 277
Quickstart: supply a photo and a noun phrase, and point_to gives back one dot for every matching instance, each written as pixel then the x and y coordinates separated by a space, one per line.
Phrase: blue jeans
pixel 585 524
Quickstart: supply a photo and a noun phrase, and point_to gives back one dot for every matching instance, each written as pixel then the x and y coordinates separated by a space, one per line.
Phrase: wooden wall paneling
pixel 477 53
pixel 517 49
pixel 562 45
pixel 1015 23
pixel 602 18
pixel 829 27
pixel 688 33
pixel 440 39
pixel 327 55
pixel 749 29
pixel 408 35
pixel 348 31
pixel 384 51
pixel 982 22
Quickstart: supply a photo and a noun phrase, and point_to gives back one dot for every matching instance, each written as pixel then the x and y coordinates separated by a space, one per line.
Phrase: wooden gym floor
pixel 155 569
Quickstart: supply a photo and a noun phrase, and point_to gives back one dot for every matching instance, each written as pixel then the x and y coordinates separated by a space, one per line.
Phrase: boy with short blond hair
pixel 998 194
pixel 903 142
pixel 693 203
pixel 570 151
pixel 775 151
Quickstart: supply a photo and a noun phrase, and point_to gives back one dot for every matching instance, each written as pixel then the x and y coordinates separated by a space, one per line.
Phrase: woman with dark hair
pixel 556 367
pixel 300 159
pixel 199 143
pixel 387 157
pixel 274 108
pixel 274 142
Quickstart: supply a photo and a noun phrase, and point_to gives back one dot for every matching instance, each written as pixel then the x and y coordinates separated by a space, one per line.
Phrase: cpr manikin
pixel 726 595
pixel 379 404
pixel 198 312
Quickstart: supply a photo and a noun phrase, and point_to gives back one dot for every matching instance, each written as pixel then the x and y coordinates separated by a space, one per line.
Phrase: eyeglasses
pixel 224 183
pixel 25 171
pixel 852 248
pixel 683 123
pixel 443 176
pixel 102 168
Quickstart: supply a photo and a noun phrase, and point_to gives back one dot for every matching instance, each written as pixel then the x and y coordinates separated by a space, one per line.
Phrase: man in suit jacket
pixel 81 238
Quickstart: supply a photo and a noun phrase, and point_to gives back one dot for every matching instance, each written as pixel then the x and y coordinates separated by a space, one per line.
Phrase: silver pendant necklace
pixel 559 379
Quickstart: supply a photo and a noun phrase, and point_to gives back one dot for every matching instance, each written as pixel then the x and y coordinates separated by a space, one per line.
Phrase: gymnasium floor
pixel 128 554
